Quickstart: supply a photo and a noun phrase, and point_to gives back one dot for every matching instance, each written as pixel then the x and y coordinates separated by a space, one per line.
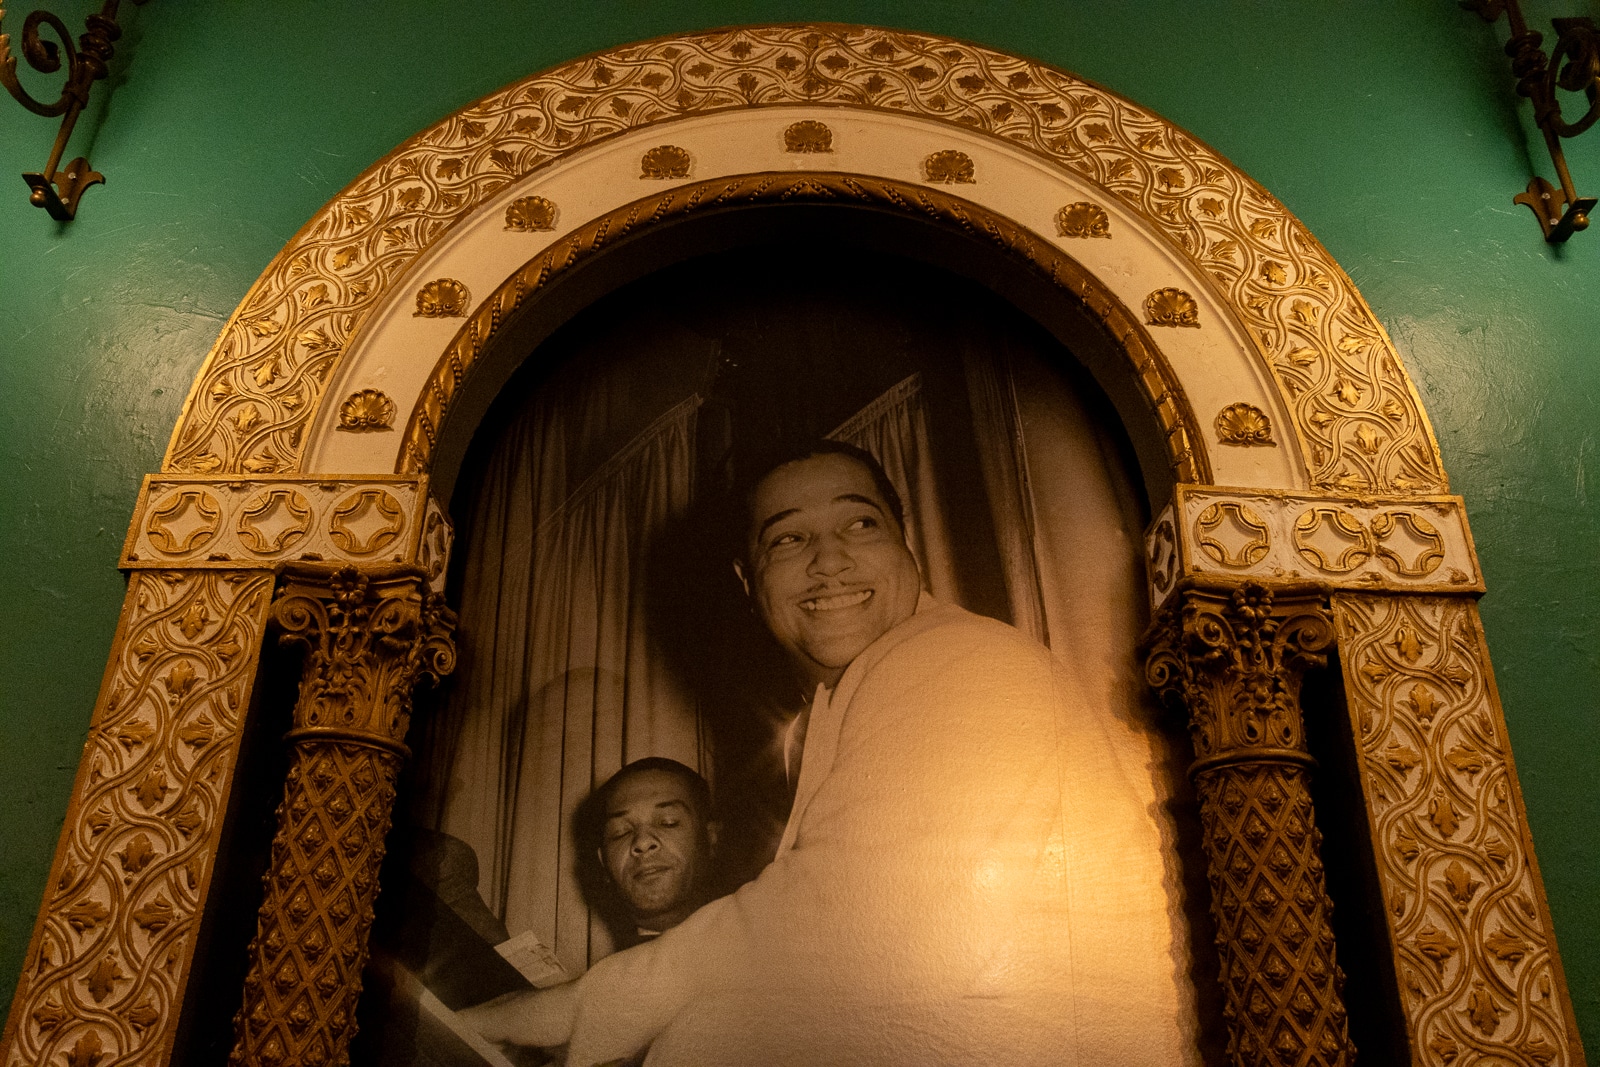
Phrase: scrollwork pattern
pixel 1339 374
pixel 1466 910
pixel 109 958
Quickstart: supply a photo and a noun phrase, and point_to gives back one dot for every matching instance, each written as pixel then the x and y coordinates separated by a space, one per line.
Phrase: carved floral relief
pixel 949 167
pixel 369 409
pixel 444 298
pixel 1171 307
pixel 665 161
pixel 807 135
pixel 1244 424
pixel 531 214
pixel 263 521
pixel 1419 544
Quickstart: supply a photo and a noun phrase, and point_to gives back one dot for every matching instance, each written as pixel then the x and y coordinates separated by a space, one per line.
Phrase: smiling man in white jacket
pixel 951 885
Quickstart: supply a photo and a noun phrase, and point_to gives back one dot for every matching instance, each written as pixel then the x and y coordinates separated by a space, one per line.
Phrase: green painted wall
pixel 1388 126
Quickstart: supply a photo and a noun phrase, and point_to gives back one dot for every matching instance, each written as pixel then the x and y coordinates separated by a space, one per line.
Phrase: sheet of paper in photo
pixel 968 876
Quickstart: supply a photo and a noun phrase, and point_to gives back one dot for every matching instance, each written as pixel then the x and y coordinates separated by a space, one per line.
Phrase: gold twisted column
pixel 1234 657
pixel 369 636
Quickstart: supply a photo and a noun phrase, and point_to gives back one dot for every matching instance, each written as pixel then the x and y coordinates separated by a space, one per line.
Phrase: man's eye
pixel 865 522
pixel 784 540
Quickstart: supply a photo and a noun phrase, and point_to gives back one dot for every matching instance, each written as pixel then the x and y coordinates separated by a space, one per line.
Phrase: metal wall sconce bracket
pixel 1575 67
pixel 58 191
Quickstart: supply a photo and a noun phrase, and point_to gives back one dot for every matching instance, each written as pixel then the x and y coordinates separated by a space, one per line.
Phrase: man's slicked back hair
pixel 699 790
pixel 744 490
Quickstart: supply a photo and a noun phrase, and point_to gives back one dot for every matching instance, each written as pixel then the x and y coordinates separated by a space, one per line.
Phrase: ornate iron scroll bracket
pixel 1575 67
pixel 1234 656
pixel 370 636
pixel 55 190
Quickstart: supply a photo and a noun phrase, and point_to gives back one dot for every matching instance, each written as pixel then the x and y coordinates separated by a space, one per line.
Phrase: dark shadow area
pixel 216 980
pixel 1360 928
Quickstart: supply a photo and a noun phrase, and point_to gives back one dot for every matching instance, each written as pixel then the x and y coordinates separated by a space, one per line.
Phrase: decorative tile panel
pixel 1411 543
pixel 197 522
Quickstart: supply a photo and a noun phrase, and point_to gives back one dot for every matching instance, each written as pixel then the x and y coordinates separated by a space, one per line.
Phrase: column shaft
pixel 369 638
pixel 1234 658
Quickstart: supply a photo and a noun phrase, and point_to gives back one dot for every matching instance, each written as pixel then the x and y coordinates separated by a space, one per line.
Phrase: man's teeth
pixel 834 603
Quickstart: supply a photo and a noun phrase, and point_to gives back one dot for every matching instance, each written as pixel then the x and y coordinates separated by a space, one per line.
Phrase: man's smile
pixel 837 601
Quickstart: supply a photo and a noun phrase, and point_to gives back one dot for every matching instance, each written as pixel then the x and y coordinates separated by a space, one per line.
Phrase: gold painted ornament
pixel 529 214
pixel 1171 307
pixel 445 298
pixel 1083 219
pixel 807 135
pixel 950 167
pixel 1243 424
pixel 366 411
pixel 664 162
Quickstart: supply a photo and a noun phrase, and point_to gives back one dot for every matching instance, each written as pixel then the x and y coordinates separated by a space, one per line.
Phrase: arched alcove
pixel 1282 445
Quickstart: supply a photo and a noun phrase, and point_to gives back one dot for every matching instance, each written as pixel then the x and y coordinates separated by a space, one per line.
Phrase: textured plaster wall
pixel 1388 126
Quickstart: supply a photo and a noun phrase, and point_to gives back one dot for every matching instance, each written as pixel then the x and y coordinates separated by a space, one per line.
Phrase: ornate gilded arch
pixel 303 454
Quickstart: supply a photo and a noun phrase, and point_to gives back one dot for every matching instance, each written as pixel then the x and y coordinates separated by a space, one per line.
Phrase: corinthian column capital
pixel 369 636
pixel 1234 657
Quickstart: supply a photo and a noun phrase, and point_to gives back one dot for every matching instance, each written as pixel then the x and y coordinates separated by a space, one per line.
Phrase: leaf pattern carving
pixel 1507 946
pixel 136 854
pixel 87 1051
pixel 1460 884
pixel 1452 849
pixel 105 951
pixel 1437 945
pixel 86 914
pixel 102 978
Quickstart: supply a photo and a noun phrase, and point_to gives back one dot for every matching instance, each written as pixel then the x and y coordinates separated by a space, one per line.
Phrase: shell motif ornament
pixel 950 167
pixel 444 298
pixel 1083 219
pixel 366 411
pixel 665 161
pixel 1244 424
pixel 1171 307
pixel 808 135
pixel 529 214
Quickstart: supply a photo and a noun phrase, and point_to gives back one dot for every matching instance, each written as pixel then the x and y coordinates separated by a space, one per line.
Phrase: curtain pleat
pixel 560 686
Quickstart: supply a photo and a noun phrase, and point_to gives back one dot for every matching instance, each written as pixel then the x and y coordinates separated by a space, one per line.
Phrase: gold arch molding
pixel 1162 393
pixel 299 474
pixel 1319 358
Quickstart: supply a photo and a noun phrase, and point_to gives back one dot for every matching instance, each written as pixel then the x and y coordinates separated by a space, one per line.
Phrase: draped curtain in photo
pixel 558 688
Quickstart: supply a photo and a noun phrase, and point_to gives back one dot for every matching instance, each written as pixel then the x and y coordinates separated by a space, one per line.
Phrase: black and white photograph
pixel 798 717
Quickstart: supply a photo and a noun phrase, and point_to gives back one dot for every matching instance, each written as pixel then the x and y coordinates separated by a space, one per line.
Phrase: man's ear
pixel 713 834
pixel 738 571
